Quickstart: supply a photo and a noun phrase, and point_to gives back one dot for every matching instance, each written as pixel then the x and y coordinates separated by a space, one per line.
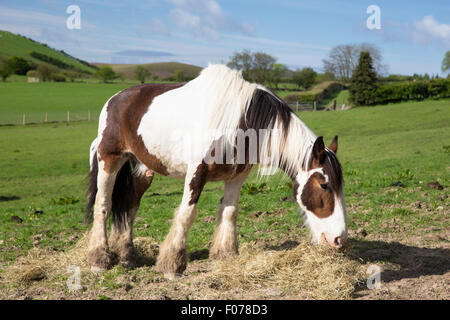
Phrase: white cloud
pixel 204 18
pixel 429 28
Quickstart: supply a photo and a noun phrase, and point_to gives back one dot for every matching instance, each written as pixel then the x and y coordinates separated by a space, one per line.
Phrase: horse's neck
pixel 296 149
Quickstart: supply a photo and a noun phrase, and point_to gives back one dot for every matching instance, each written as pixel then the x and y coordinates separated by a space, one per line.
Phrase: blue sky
pixel 413 38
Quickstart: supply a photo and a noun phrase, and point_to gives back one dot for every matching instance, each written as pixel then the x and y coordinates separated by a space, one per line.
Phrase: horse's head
pixel 319 192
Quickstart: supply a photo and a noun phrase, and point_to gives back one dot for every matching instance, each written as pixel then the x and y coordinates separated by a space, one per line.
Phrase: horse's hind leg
pixel 99 256
pixel 172 259
pixel 121 238
pixel 225 242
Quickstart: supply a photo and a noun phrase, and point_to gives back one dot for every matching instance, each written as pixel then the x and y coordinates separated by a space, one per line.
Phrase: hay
pixel 41 264
pixel 307 271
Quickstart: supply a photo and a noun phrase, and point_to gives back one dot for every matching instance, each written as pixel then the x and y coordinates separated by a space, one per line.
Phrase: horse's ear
pixel 334 144
pixel 319 149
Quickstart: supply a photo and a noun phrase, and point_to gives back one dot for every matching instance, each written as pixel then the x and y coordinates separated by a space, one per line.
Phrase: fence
pixel 314 106
pixel 46 117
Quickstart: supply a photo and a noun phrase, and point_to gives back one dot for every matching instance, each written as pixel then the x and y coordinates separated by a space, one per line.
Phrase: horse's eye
pixel 324 186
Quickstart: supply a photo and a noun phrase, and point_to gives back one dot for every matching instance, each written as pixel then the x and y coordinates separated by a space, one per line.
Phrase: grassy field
pixel 389 154
pixel 55 98
pixel 15 45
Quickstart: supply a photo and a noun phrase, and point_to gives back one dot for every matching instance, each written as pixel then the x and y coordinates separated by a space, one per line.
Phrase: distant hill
pixel 16 45
pixel 161 69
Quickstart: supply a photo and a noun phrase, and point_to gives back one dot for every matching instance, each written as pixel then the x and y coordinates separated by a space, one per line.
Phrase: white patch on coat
pixel 92 151
pixel 103 118
pixel 181 124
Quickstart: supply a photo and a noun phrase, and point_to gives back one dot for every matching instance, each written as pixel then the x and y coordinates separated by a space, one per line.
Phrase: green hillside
pixel 161 69
pixel 16 45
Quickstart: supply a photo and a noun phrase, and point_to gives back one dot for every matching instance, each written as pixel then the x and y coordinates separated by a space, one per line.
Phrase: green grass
pixel 55 98
pixel 43 167
pixel 15 45
pixel 341 97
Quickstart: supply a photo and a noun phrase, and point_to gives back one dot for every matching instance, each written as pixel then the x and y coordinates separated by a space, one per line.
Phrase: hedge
pixel 51 60
pixel 418 90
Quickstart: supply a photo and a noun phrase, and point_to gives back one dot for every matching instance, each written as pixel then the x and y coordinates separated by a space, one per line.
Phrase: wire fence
pixel 26 118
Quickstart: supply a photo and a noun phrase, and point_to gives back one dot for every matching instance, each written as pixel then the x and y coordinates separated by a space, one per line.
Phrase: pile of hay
pixel 306 272
pixel 41 264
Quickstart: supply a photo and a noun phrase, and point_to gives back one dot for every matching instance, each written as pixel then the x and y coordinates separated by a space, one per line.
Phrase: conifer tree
pixel 364 81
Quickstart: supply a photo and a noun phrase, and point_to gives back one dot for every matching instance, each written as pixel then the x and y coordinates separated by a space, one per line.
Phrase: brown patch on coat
pixel 213 172
pixel 124 113
pixel 197 183
pixel 317 200
pixel 331 167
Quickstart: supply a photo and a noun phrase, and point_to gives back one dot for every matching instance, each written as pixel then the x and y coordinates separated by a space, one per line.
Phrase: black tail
pixel 122 197
pixel 123 194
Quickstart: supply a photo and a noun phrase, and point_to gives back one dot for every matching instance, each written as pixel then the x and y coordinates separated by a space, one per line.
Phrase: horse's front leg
pixel 172 259
pixel 225 242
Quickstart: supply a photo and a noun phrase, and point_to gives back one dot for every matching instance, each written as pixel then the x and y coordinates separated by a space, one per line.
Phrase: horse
pixel 215 127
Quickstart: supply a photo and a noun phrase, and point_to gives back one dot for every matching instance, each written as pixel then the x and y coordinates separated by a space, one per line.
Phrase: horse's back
pixel 120 119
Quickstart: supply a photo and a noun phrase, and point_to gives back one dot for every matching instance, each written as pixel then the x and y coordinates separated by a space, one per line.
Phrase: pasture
pixel 396 219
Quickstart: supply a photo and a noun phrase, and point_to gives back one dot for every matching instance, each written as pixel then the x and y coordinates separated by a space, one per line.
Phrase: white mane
pixel 227 97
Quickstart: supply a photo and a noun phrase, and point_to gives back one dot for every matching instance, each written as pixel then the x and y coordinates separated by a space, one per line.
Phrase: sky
pixel 413 35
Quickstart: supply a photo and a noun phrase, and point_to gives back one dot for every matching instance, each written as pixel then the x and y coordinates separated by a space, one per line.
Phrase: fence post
pixel 68 116
pixel 46 117
pixel 314 105
pixel 296 106
pixel 89 115
pixel 24 120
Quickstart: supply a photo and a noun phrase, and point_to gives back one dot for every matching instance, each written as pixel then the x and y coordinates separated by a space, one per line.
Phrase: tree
pixel 255 67
pixel 46 71
pixel 140 73
pixel 5 69
pixel 155 78
pixel 363 82
pixel 243 61
pixel 446 62
pixel 276 73
pixel 262 66
pixel 18 65
pixel 106 73
pixel 72 75
pixel 304 78
pixel 122 76
pixel 342 60
pixel 179 75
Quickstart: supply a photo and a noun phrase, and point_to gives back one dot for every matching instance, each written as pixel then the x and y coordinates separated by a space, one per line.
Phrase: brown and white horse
pixel 213 128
